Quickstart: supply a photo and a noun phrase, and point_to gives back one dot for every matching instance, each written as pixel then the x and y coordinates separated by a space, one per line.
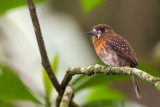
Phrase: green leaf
pixel 88 81
pixel 104 103
pixel 47 83
pixel 104 92
pixel 104 96
pixel 112 103
pixel 79 78
pixel 11 87
pixel 6 104
pixel 54 64
pixel 88 5
pixel 9 4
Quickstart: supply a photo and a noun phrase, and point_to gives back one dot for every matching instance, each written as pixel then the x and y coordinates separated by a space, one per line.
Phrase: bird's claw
pixel 106 70
pixel 89 73
pixel 104 67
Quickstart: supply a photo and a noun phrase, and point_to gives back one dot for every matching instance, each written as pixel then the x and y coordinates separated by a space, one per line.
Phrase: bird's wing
pixel 123 49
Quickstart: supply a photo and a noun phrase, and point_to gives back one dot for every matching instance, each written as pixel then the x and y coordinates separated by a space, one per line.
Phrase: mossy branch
pixel 67 96
pixel 94 69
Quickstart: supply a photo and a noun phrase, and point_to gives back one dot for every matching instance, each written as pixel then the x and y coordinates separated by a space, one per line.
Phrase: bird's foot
pixel 89 73
pixel 106 72
pixel 104 67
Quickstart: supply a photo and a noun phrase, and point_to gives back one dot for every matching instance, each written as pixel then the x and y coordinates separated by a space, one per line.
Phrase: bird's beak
pixel 92 33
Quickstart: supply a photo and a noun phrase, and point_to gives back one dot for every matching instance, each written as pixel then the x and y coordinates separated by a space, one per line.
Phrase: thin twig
pixel 45 61
pixel 67 96
pixel 93 69
pixel 43 53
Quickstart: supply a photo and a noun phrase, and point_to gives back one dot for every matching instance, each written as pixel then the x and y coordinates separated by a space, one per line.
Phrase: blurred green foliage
pixel 47 83
pixel 105 92
pixel 105 103
pixel 88 81
pixel 112 103
pixel 6 104
pixel 88 5
pixel 5 5
pixel 156 54
pixel 11 87
pixel 9 4
pixel 148 68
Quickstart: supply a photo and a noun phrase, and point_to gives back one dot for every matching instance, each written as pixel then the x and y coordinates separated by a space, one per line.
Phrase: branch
pixel 71 104
pixel 43 53
pixel 67 96
pixel 93 69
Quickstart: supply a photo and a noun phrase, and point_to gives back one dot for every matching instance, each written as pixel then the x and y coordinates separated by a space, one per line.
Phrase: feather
pixel 123 49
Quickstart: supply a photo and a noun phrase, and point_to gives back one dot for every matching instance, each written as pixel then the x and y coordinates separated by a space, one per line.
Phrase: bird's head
pixel 100 30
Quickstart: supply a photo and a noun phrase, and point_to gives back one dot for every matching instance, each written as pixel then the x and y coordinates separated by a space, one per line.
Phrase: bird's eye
pixel 103 29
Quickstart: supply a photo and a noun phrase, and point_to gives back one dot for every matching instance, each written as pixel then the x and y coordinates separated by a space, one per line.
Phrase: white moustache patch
pixel 99 35
pixel 94 30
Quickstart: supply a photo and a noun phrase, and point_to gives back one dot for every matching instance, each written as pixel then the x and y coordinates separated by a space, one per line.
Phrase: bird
pixel 114 50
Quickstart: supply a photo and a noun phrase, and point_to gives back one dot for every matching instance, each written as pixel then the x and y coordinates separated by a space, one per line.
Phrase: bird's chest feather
pixel 98 45
pixel 109 57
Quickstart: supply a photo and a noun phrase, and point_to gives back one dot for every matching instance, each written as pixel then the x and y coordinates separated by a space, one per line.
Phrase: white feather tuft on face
pixel 94 30
pixel 99 35
pixel 99 32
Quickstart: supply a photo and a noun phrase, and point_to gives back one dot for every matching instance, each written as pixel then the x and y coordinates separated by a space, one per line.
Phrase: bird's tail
pixel 136 87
